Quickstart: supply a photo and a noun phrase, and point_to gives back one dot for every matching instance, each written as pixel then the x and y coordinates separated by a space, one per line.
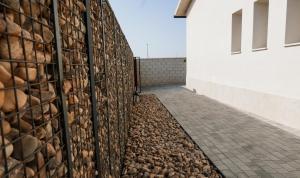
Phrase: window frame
pixel 291 23
pixel 260 25
pixel 236 27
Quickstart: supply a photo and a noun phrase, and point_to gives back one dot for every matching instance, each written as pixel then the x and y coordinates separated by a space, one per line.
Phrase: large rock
pixel 2 96
pixel 10 103
pixel 25 148
pixel 6 127
pixel 8 148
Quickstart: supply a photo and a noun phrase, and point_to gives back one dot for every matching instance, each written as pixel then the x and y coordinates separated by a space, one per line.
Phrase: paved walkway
pixel 238 144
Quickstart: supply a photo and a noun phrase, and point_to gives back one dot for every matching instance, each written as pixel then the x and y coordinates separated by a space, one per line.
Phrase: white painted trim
pixel 259 49
pixel 292 44
pixel 236 52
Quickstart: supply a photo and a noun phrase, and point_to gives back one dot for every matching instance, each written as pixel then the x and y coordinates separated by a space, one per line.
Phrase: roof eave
pixel 179 17
pixel 182 8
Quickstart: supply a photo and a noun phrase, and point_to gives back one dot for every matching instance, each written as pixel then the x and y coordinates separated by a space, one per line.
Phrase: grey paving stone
pixel 241 145
pixel 229 174
pixel 280 176
pixel 263 174
pixel 222 166
pixel 251 173
pixel 242 175
pixel 295 174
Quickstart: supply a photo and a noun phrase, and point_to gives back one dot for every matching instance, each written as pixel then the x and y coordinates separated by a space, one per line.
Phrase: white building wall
pixel 265 83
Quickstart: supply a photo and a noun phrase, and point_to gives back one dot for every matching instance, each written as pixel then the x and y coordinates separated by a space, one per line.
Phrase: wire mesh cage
pixel 31 130
pixel 66 86
pixel 100 71
pixel 129 86
pixel 76 87
pixel 111 92
pixel 121 84
pixel 118 95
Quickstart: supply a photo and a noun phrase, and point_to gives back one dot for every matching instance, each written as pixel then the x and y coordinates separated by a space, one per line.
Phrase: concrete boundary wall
pixel 163 71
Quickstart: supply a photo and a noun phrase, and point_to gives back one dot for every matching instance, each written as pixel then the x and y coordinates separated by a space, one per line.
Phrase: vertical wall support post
pixel 103 3
pixel 89 42
pixel 123 100
pixel 126 94
pixel 117 88
pixel 62 101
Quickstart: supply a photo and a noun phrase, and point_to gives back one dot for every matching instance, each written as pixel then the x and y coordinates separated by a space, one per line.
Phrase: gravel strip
pixel 157 146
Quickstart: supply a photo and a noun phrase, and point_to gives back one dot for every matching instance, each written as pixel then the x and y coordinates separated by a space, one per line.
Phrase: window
pixel 292 33
pixel 260 25
pixel 236 38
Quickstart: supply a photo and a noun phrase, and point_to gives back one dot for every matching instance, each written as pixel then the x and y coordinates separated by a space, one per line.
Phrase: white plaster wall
pixel 266 83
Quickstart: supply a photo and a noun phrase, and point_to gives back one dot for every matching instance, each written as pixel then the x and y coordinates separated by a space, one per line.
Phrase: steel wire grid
pixel 119 88
pixel 66 87
pixel 77 87
pixel 122 99
pixel 100 85
pixel 110 58
pixel 31 124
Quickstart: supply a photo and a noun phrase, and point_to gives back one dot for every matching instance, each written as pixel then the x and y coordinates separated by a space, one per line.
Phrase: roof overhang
pixel 182 8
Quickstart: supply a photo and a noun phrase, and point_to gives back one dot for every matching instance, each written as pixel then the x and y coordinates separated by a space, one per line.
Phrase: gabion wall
pixel 66 89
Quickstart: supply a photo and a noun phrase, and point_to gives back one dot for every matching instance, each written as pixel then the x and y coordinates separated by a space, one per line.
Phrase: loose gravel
pixel 158 147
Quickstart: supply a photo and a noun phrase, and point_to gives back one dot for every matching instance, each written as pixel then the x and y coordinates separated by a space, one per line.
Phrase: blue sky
pixel 152 22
